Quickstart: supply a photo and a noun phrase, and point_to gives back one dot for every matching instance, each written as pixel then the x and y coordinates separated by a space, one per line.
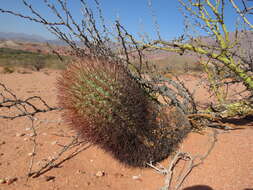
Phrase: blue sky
pixel 134 14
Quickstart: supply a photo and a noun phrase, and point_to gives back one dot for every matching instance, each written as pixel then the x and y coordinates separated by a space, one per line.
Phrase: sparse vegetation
pixel 20 58
pixel 179 64
pixel 8 69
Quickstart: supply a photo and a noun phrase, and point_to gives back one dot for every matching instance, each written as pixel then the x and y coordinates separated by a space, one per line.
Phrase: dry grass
pixel 10 58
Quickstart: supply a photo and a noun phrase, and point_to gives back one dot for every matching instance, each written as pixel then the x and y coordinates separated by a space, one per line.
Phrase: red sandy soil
pixel 228 167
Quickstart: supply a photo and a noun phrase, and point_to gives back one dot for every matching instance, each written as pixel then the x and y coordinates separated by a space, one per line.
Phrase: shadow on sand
pixel 198 187
pixel 205 187
pixel 248 120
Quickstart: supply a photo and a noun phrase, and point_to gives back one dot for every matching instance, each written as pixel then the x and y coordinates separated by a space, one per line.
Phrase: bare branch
pixel 193 162
pixel 24 107
pixel 51 163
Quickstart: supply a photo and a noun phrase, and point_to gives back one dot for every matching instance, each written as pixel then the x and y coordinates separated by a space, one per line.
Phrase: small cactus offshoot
pixel 109 108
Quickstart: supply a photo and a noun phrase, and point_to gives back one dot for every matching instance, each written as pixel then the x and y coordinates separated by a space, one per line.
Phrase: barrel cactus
pixel 109 108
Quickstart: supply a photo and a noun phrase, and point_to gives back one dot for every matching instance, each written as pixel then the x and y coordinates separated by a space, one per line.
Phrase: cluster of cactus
pixel 109 108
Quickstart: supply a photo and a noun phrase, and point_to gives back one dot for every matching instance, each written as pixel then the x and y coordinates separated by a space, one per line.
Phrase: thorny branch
pixel 22 108
pixel 34 140
pixel 9 100
pixel 243 13
pixel 81 146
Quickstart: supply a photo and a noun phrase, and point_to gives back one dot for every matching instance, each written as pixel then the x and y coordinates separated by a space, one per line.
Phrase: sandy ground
pixel 228 167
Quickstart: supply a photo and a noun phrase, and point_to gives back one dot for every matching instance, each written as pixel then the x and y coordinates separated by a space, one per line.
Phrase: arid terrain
pixel 228 167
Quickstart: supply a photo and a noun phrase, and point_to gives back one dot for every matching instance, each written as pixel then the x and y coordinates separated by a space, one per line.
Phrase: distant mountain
pixel 11 40
pixel 29 38
pixel 21 37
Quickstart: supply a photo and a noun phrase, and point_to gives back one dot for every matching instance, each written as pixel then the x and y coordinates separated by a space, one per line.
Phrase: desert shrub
pixel 31 60
pixel 109 108
pixel 178 64
pixel 39 63
pixel 7 70
pixel 197 67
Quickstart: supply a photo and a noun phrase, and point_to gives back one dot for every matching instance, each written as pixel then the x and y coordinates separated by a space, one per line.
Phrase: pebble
pixel 80 172
pixel 2 142
pixel 20 134
pixel 54 143
pixel 118 175
pixel 100 173
pixel 136 177
pixel 2 181
pixel 32 135
pixel 27 129
pixel 31 154
pixel 11 180
pixel 49 178
pixel 30 91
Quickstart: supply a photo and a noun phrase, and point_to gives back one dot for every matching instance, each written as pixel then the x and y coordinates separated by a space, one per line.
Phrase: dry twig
pixel 24 108
pixel 51 163
pixel 193 162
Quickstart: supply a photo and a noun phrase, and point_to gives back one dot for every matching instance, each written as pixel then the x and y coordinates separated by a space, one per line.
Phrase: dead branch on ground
pixel 28 109
pixel 193 162
pixel 75 143
pixel 21 108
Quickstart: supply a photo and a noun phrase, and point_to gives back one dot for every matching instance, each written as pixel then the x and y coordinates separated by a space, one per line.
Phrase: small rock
pixel 54 143
pixel 25 139
pixel 2 143
pixel 32 135
pixel 1 154
pixel 31 154
pixel 49 178
pixel 80 172
pixel 118 175
pixel 136 177
pixel 20 134
pixel 30 91
pixel 100 173
pixel 11 180
pixel 2 181
pixel 28 129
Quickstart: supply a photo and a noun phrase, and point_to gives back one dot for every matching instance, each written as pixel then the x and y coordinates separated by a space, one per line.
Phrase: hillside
pixel 164 60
